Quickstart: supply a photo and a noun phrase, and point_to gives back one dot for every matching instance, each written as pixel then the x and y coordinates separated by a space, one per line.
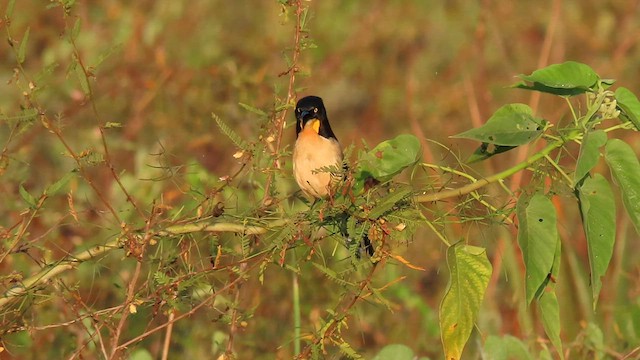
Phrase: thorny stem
pixel 281 120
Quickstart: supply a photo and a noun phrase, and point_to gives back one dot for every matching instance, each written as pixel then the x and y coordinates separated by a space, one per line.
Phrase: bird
pixel 317 148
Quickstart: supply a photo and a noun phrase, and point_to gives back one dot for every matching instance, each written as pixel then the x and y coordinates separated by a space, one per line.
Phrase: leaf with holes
pixel 468 280
pixel 511 125
pixel 598 210
pixel 537 237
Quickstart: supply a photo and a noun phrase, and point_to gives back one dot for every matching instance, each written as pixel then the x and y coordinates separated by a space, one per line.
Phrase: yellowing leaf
pixel 468 280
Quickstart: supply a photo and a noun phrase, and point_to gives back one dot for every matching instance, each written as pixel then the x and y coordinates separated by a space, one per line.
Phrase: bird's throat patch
pixel 315 125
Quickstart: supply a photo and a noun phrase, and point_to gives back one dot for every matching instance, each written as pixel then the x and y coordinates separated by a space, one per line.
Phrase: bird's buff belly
pixel 307 160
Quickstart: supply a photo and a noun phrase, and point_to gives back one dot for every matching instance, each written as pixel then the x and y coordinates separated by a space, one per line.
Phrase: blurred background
pixel 161 68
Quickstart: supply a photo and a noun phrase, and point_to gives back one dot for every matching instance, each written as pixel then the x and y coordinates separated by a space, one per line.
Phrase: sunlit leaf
pixel 598 210
pixel 469 271
pixel 511 125
pixel 566 79
pixel 589 153
pixel 537 237
pixel 505 348
pixel 550 313
pixel 625 168
pixel 629 104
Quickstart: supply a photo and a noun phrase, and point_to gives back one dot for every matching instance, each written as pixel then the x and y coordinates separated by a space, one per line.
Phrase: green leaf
pixel 505 348
pixel 511 125
pixel 629 104
pixel 388 158
pixel 589 154
pixel 228 131
pixel 550 312
pixel 28 198
pixel 22 50
pixel 566 79
pixel 625 168
pixel 54 188
pixel 395 352
pixel 254 110
pixel 537 237
pixel 469 271
pixel 598 210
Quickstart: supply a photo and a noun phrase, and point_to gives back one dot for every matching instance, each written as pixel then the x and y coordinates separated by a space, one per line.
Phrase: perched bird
pixel 316 147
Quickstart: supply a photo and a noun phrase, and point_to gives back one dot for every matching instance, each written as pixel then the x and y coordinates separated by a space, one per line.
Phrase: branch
pixel 71 261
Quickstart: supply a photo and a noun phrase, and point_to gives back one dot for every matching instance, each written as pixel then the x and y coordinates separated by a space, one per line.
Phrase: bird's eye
pixel 298 110
pixel 315 110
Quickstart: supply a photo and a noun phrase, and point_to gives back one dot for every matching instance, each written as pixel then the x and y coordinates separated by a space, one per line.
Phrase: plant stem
pixel 297 323
pixel 491 179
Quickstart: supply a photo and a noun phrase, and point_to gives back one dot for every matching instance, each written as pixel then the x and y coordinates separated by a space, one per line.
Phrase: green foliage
pixel 569 78
pixel 598 210
pixel 625 168
pixel 511 125
pixel 506 348
pixel 589 154
pixel 630 106
pixel 387 159
pixel 537 237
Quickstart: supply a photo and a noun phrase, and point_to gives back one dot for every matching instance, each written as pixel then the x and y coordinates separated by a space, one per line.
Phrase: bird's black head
pixel 310 111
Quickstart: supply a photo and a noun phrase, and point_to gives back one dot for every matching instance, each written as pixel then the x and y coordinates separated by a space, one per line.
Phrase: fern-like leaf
pixel 228 131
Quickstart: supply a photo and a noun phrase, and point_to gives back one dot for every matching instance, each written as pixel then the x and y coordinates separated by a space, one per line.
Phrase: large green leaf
pixel 468 280
pixel 505 348
pixel 388 158
pixel 589 154
pixel 511 125
pixel 566 79
pixel 629 104
pixel 550 313
pixel 598 210
pixel 537 237
pixel 625 168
